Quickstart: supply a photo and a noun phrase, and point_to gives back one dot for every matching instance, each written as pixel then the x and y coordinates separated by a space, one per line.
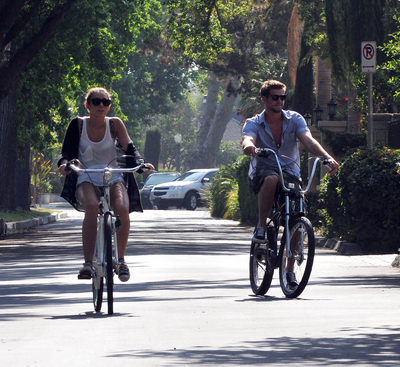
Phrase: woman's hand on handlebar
pixel 148 168
pixel 62 168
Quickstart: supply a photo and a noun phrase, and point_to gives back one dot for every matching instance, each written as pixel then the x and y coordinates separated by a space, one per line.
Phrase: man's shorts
pixel 261 173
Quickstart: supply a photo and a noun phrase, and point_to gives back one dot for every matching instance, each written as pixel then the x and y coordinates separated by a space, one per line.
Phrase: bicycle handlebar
pixel 75 163
pixel 265 152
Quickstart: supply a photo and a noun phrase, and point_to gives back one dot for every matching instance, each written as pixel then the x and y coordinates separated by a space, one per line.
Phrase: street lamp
pixel 178 141
pixel 332 109
pixel 318 113
pixel 308 119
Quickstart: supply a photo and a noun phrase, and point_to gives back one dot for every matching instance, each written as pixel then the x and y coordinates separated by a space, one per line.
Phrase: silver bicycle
pixel 105 260
pixel 295 255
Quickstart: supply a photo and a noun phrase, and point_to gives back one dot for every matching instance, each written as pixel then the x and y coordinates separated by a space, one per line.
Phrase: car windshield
pixel 157 179
pixel 191 176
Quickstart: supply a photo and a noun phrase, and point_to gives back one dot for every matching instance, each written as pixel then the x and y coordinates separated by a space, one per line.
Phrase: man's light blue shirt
pixel 288 152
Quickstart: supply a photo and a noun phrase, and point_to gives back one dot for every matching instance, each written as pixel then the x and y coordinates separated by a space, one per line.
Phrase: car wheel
pixel 191 201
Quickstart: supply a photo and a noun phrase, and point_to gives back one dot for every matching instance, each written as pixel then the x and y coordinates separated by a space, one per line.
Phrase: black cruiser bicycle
pixel 295 255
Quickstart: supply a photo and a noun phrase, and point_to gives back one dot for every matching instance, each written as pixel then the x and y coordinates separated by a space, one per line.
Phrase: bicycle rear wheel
pixel 261 268
pixel 109 261
pixel 300 262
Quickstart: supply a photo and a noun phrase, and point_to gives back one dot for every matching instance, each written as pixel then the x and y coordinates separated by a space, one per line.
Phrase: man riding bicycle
pixel 278 130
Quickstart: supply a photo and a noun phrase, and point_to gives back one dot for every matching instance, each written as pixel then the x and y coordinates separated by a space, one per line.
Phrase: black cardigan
pixel 70 150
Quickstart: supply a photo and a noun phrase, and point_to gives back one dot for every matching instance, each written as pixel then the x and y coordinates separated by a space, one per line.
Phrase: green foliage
pixel 180 120
pixel 343 143
pixel 361 204
pixel 247 199
pixel 220 192
pixel 199 28
pixel 232 196
pixel 81 55
pixel 227 153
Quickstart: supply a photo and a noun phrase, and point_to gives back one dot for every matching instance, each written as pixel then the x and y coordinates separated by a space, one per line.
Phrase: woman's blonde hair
pixel 96 90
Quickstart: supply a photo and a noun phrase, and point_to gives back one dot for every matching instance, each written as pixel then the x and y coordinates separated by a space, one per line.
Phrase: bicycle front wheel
pixel 295 266
pixel 97 288
pixel 261 268
pixel 109 261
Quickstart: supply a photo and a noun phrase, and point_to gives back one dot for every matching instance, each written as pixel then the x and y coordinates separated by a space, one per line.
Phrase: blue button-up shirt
pixel 288 152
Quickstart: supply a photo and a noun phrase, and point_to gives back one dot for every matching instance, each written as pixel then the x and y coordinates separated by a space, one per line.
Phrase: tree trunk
pixel 209 109
pixel 213 129
pixel 324 85
pixel 8 149
pixel 22 190
pixel 221 119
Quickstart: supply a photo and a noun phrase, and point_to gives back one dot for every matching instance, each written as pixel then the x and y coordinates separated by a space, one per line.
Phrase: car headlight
pixel 177 187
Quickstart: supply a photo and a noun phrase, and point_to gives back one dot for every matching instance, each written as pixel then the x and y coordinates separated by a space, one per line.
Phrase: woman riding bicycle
pixel 279 130
pixel 92 140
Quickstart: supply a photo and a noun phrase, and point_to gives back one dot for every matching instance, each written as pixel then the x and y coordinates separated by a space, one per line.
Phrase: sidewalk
pixel 12 227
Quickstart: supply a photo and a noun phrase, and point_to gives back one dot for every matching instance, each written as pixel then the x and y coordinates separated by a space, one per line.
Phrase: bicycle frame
pixel 105 264
pixel 288 191
pixel 99 262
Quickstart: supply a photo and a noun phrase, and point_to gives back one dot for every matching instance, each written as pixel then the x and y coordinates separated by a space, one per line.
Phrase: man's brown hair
pixel 271 84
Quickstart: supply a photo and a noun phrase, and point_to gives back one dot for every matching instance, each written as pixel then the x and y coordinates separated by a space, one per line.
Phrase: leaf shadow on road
pixel 380 347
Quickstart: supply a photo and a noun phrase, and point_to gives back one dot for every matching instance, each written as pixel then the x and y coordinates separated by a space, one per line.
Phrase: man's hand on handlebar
pixel 332 164
pixel 248 149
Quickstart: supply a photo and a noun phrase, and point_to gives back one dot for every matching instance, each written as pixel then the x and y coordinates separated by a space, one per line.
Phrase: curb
pixel 12 227
pixel 347 248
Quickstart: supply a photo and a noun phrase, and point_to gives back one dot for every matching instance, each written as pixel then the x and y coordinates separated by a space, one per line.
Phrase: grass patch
pixel 18 215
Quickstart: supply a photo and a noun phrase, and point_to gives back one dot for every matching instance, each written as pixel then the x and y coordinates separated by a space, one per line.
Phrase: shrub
pixel 362 202
pixel 247 199
pixel 231 196
pixel 224 183
pixel 342 143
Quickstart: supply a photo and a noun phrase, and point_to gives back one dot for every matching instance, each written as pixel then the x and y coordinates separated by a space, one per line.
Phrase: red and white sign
pixel 368 57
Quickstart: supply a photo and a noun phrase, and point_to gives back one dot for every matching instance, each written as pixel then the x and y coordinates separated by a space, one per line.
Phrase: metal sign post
pixel 368 65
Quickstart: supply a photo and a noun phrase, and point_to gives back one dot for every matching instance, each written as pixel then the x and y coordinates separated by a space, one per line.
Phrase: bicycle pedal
pixel 85 276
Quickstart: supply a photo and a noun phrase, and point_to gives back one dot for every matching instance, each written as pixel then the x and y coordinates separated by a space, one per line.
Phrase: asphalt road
pixel 189 302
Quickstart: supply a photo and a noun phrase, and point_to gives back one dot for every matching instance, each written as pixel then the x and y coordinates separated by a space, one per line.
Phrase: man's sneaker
pixel 259 235
pixel 86 271
pixel 291 279
pixel 123 271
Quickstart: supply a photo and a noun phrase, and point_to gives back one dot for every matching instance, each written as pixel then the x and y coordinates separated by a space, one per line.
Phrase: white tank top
pixel 97 155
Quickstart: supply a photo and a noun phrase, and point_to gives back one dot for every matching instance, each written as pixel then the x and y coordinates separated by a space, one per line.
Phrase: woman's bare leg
pixel 88 196
pixel 120 205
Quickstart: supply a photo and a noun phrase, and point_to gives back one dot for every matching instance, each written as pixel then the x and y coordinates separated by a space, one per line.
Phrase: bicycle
pixel 105 260
pixel 297 248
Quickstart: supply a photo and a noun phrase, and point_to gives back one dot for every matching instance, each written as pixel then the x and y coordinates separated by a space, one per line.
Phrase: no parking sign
pixel 368 57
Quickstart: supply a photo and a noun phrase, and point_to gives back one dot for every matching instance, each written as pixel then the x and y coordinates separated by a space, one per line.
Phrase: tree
pixel 82 54
pixel 213 127
pixel 16 54
pixel 226 38
pixel 14 17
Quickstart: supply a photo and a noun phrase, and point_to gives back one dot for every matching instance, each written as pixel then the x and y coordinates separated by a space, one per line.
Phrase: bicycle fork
pixel 297 237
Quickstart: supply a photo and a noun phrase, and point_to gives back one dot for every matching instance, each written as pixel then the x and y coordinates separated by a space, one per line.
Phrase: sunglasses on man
pixel 275 97
pixel 96 101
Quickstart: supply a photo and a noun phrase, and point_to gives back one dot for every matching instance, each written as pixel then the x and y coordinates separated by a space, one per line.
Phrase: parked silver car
pixel 185 191
pixel 152 180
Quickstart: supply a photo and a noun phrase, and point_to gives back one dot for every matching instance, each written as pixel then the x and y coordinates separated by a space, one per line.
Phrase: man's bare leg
pixel 266 197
